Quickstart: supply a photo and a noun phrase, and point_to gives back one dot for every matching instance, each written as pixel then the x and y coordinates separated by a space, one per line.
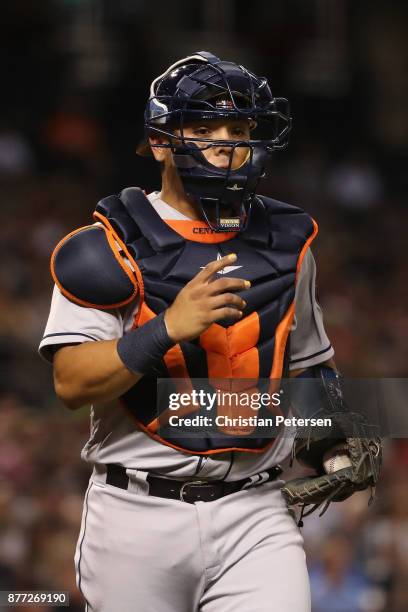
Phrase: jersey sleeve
pixel 69 323
pixel 309 344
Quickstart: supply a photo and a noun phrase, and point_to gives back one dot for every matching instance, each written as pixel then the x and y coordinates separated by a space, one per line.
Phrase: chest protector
pixel 231 356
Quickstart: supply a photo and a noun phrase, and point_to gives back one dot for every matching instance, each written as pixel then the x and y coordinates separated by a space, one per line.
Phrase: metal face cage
pixel 202 88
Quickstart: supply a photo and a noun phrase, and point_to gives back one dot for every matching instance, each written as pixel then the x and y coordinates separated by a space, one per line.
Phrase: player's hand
pixel 205 300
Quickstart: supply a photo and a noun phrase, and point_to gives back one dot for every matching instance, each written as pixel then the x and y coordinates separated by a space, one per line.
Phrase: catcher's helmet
pixel 203 87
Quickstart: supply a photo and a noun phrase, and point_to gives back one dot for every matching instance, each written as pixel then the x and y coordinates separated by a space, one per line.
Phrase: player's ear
pixel 160 153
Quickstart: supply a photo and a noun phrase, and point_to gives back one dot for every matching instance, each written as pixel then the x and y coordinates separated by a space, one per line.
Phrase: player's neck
pixel 173 193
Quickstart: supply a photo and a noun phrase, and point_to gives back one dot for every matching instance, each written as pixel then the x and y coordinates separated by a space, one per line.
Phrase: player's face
pixel 219 155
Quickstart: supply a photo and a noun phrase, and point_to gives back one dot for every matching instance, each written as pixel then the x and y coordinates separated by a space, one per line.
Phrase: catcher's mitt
pixel 365 457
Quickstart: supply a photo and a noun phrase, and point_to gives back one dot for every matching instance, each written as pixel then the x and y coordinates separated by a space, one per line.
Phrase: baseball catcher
pixel 205 278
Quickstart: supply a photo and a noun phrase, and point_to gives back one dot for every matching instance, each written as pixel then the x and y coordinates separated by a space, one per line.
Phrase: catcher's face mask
pixel 202 90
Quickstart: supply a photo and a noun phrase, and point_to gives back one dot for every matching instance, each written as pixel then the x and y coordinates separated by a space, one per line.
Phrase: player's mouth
pixel 221 162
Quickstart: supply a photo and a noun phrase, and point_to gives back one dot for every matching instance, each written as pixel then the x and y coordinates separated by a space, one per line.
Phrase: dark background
pixel 75 77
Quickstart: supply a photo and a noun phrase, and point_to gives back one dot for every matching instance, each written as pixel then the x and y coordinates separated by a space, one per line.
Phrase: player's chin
pixel 220 165
pixel 225 165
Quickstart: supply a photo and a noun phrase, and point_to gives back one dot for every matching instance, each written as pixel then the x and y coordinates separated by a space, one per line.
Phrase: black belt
pixel 192 490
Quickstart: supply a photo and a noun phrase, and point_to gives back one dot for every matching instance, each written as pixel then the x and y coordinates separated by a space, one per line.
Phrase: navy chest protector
pixel 90 269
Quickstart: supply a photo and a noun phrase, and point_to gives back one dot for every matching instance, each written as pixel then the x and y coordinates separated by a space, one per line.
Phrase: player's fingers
pixel 227 299
pixel 226 313
pixel 215 266
pixel 222 285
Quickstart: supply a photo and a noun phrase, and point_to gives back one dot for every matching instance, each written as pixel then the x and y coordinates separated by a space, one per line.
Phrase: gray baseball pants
pixel 139 553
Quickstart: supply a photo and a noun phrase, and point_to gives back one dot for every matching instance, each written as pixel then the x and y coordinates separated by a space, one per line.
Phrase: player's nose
pixel 222 133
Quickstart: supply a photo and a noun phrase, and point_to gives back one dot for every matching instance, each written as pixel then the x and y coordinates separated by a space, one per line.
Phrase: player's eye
pixel 239 132
pixel 202 132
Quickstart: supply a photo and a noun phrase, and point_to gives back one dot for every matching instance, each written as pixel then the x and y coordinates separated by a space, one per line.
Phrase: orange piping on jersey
pixel 185 227
pixel 77 300
pixel 124 248
pixel 283 329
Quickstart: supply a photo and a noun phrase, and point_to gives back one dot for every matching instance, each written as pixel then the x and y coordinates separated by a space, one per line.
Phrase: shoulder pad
pixel 301 223
pixel 90 271
pixel 276 207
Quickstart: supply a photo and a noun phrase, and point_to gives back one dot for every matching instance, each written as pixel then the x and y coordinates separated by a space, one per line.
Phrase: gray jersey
pixel 114 438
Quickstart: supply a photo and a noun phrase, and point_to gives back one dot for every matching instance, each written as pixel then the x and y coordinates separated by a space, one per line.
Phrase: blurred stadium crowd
pixel 71 115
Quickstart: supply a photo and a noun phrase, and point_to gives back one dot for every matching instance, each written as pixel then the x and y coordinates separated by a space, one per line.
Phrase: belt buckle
pixel 190 483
